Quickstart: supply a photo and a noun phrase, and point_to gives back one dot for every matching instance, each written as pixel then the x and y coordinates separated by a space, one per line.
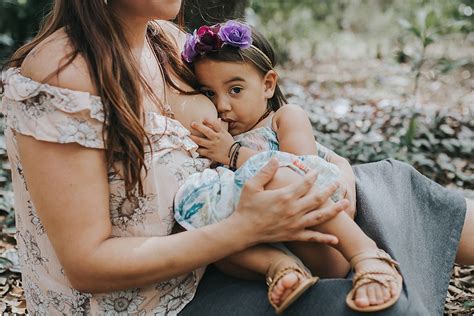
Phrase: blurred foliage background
pixel 378 78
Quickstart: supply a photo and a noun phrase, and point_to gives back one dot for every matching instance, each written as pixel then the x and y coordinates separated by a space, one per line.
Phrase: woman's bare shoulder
pixel 42 63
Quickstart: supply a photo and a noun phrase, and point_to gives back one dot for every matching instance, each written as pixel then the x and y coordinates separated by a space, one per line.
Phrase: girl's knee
pixel 283 177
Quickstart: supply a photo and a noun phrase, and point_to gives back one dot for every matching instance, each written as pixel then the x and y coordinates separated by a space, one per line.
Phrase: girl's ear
pixel 270 80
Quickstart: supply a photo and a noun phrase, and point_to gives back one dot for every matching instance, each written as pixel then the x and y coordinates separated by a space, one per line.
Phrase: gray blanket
pixel 414 219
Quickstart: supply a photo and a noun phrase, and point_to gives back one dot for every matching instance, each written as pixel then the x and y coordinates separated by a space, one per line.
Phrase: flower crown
pixel 212 38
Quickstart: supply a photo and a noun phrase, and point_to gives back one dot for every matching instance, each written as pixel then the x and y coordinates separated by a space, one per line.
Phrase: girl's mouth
pixel 230 123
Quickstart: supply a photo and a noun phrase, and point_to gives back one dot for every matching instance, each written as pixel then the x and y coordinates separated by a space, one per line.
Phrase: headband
pixel 212 38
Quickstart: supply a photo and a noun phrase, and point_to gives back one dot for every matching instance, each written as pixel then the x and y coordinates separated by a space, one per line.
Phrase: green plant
pixel 428 25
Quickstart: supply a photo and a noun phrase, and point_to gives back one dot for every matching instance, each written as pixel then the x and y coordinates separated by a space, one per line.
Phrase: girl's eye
pixel 208 93
pixel 235 90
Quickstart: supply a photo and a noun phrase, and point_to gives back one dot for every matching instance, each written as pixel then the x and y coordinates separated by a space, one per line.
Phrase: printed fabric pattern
pixel 211 196
pixel 60 115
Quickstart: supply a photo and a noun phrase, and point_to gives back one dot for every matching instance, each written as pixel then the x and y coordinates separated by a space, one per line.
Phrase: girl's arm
pixel 295 135
pixel 294 131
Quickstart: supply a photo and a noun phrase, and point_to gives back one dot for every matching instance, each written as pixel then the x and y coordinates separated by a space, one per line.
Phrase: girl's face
pixel 149 9
pixel 238 90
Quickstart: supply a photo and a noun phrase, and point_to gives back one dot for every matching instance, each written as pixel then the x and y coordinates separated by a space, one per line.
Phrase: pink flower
pixel 208 38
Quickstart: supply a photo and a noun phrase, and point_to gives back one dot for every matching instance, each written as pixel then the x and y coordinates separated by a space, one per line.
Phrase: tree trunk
pixel 200 12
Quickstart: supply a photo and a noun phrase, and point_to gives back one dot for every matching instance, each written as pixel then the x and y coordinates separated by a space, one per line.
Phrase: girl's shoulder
pixel 289 113
pixel 44 61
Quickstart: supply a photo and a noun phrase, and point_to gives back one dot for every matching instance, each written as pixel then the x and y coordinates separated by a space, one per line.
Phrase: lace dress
pixel 59 115
pixel 211 196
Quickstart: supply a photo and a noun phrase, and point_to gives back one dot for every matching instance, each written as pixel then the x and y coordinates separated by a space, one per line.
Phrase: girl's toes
pixel 275 296
pixel 386 294
pixel 284 287
pixel 372 294
pixel 278 289
pixel 379 294
pixel 288 283
pixel 394 288
pixel 361 297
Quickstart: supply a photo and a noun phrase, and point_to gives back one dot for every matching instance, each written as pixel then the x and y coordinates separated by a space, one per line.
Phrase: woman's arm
pixel 68 186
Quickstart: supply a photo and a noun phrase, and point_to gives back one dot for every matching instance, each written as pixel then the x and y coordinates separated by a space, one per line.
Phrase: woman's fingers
pixel 321 215
pixel 299 188
pixel 316 197
pixel 309 235
pixel 203 129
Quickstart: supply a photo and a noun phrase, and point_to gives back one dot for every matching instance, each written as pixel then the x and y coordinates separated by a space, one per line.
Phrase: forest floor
pixel 365 110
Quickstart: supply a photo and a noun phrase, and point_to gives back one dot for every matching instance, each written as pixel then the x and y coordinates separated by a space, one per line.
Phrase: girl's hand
pixel 216 142
pixel 285 214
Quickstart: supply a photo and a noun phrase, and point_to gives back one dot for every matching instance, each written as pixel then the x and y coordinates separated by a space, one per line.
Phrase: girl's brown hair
pixel 95 33
pixel 254 56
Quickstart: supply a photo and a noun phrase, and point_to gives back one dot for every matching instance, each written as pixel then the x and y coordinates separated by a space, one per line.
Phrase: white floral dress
pixel 210 196
pixel 59 115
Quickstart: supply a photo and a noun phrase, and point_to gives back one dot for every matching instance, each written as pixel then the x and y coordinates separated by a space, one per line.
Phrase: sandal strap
pixel 382 277
pixel 378 254
pixel 271 282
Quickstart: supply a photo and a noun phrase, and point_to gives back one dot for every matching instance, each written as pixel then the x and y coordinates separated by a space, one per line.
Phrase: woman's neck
pixel 134 29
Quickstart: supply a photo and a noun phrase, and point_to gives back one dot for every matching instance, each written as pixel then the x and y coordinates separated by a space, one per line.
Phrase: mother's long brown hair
pixel 96 34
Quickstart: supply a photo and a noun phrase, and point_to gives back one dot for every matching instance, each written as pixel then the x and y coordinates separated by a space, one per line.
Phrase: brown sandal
pixel 302 287
pixel 370 276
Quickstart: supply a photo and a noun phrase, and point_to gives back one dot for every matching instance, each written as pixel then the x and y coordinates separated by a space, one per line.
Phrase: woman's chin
pixel 172 10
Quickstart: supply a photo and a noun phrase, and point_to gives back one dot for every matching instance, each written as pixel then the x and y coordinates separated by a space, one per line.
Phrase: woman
pixel 94 230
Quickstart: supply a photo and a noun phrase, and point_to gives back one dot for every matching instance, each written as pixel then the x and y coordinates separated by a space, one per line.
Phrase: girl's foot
pixel 287 281
pixel 377 283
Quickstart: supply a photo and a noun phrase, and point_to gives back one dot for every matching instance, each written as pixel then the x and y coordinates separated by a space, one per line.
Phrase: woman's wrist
pixel 243 232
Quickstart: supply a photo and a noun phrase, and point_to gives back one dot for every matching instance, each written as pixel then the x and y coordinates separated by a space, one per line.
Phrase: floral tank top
pixel 261 138
pixel 60 115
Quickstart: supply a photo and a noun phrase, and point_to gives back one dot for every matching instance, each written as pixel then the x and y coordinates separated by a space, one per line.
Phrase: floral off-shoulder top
pixel 60 115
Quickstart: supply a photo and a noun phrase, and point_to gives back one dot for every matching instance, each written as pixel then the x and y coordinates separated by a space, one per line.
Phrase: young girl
pixel 234 67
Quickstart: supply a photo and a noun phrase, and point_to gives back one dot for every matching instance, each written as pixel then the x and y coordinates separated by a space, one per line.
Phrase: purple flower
pixel 236 34
pixel 189 51
pixel 211 38
pixel 208 39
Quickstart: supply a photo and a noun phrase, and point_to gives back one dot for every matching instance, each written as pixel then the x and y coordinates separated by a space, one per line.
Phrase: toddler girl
pixel 234 67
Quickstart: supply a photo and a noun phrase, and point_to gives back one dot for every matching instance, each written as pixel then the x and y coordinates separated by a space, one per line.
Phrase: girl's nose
pixel 223 105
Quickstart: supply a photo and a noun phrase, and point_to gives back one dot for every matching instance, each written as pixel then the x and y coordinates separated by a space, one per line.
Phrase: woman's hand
pixel 216 142
pixel 285 214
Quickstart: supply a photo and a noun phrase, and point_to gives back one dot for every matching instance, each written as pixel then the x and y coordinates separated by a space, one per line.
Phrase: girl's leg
pixel 352 241
pixel 260 261
pixel 465 254
pixel 323 260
